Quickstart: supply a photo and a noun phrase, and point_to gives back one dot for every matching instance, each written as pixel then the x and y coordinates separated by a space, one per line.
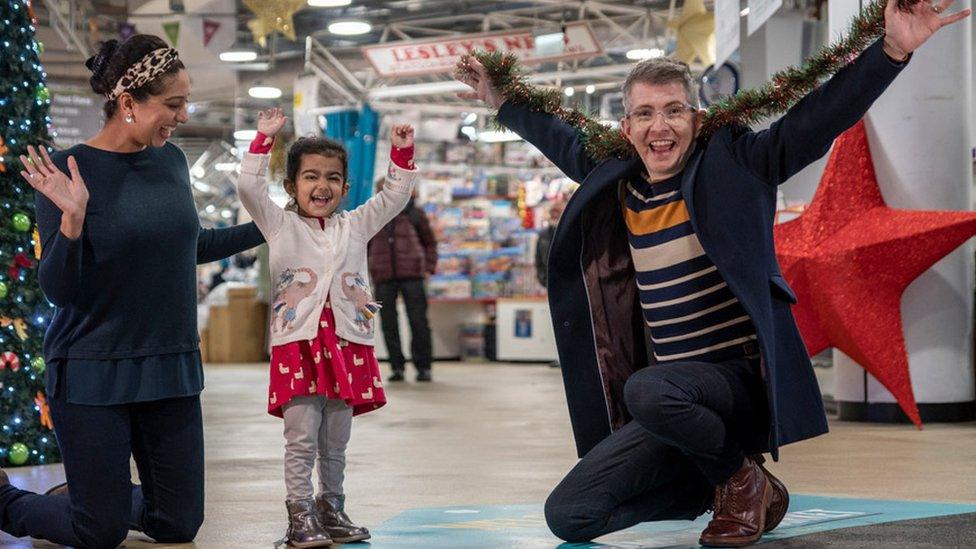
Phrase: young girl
pixel 323 370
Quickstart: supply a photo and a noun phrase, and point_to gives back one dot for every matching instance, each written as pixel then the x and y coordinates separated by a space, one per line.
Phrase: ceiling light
pixel 245 135
pixel 644 53
pixel 264 92
pixel 225 166
pixel 329 3
pixel 239 52
pixel 591 89
pixel 471 118
pixel 494 136
pixel 238 56
pixel 744 12
pixel 226 214
pixel 198 172
pixel 569 91
pixel 349 27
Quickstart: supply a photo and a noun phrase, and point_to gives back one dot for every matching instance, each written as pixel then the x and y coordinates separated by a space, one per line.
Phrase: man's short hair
pixel 661 70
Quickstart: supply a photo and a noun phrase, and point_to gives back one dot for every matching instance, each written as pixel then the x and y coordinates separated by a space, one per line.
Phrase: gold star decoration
pixel 695 28
pixel 273 16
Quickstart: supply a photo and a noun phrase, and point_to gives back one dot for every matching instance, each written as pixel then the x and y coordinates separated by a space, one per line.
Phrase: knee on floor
pixel 569 522
pixel 181 530
pixel 107 535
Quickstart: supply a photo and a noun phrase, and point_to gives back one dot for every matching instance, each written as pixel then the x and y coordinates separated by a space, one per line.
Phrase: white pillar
pixel 920 136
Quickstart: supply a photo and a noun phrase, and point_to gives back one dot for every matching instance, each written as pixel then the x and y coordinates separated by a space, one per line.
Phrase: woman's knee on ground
pixel 104 534
pixel 176 529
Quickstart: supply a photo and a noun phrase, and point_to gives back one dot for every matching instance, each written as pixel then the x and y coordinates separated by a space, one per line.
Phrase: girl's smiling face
pixel 319 186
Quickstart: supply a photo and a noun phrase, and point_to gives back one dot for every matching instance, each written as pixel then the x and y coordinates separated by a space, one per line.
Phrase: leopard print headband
pixel 145 71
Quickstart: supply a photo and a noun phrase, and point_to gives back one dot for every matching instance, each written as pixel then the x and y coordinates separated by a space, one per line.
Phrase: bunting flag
pixel 209 30
pixel 172 30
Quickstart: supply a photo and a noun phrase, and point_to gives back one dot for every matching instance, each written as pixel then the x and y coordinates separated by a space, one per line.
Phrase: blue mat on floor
pixel 523 526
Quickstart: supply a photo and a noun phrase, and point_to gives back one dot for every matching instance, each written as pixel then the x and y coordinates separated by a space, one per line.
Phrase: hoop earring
pixel 129 119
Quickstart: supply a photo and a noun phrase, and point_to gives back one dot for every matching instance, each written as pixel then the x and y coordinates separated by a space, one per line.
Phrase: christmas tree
pixel 26 435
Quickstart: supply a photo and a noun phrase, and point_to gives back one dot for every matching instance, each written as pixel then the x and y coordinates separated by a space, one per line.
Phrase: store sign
pixel 440 55
pixel 75 116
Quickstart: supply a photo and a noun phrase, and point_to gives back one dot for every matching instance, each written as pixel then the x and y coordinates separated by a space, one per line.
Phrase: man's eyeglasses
pixel 679 112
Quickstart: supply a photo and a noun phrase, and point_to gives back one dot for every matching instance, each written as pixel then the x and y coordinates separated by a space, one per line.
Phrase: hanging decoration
pixel 20 326
pixel 44 409
pixel 36 238
pixel 126 30
pixel 172 30
pixel 273 16
pixel 20 261
pixel 849 258
pixel 18 454
pixel 695 31
pixel 744 108
pixel 3 152
pixel 9 360
pixel 21 222
pixel 209 30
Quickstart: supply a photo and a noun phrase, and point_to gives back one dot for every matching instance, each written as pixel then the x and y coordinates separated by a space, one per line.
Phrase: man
pixel 542 246
pixel 679 240
pixel 401 255
pixel 545 241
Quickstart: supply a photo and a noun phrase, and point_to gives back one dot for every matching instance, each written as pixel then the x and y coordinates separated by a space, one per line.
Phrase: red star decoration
pixel 849 258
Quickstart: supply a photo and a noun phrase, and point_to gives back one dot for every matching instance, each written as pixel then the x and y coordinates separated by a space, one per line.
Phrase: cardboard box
pixel 236 332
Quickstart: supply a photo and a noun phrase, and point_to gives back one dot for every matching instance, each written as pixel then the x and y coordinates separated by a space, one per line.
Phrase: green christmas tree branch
pixel 26 437
pixel 747 107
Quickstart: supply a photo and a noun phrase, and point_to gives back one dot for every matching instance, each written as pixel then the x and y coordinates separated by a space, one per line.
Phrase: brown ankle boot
pixel 304 529
pixel 333 517
pixel 779 502
pixel 740 509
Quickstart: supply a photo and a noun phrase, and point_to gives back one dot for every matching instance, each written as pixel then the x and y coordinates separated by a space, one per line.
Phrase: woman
pixel 121 240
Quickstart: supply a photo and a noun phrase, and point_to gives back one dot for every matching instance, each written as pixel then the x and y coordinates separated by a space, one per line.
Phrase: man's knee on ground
pixel 569 521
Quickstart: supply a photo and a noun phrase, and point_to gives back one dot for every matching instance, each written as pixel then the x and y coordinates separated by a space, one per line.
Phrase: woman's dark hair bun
pixel 97 65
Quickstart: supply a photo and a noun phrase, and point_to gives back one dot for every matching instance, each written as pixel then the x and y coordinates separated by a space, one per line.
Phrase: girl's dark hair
pixel 313 145
pixel 114 58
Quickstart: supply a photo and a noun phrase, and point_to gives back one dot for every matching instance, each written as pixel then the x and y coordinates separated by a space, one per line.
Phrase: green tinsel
pixel 745 108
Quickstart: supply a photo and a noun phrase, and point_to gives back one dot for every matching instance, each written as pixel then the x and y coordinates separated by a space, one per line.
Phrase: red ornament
pixel 10 360
pixel 849 258
pixel 21 261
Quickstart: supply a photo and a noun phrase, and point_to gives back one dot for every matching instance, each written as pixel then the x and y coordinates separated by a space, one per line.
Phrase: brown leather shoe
pixel 740 509
pixel 780 500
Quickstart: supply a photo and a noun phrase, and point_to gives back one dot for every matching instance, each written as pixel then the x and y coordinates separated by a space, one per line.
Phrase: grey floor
pixel 496 434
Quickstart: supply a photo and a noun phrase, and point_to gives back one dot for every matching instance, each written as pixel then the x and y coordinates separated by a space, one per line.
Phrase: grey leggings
pixel 315 427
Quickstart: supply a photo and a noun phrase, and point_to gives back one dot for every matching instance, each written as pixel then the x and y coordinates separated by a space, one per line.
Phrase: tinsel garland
pixel 745 108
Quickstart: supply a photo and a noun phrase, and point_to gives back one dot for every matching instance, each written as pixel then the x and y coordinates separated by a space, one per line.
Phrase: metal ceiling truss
pixel 348 79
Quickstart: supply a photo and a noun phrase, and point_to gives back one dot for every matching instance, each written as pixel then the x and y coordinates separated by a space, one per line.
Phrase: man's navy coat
pixel 729 186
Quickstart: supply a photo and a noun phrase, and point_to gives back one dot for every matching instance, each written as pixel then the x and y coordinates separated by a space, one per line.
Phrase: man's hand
pixel 478 79
pixel 906 31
